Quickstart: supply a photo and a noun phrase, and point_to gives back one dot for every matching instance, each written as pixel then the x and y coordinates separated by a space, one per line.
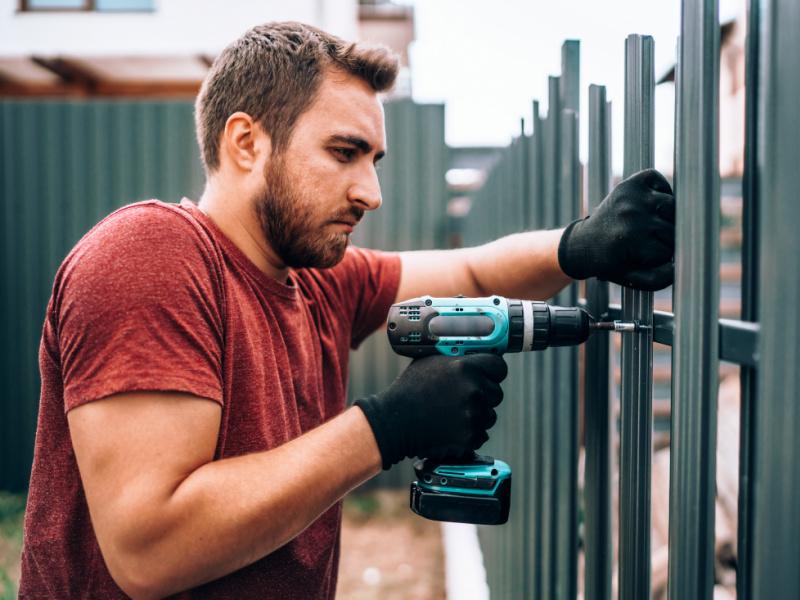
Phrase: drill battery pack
pixel 477 491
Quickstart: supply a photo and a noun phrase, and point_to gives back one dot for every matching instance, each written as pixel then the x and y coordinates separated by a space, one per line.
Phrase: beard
pixel 298 236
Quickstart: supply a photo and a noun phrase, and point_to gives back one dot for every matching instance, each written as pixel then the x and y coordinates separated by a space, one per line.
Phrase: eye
pixel 344 154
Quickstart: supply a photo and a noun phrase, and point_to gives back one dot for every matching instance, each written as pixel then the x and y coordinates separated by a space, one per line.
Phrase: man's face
pixel 318 188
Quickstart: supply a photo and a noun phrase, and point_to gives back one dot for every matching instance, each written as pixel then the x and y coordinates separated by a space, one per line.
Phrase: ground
pixel 387 552
pixel 12 507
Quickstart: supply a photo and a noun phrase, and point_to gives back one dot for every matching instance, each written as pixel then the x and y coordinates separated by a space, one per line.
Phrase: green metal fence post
pixel 750 280
pixel 696 305
pixel 637 349
pixel 536 489
pixel 597 401
pixel 565 394
pixel 776 499
pixel 549 372
pixel 565 398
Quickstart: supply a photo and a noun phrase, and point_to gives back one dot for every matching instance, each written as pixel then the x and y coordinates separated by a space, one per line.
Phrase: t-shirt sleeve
pixel 139 309
pixel 368 280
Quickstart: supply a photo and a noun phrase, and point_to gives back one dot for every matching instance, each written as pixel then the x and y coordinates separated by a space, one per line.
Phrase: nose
pixel 366 191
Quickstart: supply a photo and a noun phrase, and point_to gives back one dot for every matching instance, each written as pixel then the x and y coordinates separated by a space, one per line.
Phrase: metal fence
pixel 537 185
pixel 66 164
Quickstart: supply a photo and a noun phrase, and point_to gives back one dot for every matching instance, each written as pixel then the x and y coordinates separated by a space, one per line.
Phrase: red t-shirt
pixel 155 297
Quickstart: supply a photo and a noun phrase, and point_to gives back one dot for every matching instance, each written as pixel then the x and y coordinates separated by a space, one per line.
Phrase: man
pixel 192 433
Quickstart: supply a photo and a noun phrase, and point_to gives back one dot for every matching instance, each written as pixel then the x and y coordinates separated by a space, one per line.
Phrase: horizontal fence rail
pixel 738 340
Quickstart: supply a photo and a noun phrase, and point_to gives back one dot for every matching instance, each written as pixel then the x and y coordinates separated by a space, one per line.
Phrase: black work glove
pixel 630 237
pixel 438 402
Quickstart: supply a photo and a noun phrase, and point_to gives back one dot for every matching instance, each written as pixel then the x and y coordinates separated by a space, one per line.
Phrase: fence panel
pixel 64 165
pixel 766 343
pixel 537 184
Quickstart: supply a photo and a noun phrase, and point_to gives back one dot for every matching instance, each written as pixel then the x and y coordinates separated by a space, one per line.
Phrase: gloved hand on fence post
pixel 630 237
pixel 440 402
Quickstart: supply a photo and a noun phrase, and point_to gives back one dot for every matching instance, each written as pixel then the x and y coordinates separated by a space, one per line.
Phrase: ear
pixel 245 143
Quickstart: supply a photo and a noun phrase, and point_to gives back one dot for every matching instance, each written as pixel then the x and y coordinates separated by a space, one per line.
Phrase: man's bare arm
pixel 522 265
pixel 168 518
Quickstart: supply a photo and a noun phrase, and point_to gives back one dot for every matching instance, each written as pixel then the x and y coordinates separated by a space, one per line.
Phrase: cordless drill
pixel 478 489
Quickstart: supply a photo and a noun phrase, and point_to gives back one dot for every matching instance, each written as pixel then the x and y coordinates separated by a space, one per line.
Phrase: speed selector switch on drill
pixel 478 489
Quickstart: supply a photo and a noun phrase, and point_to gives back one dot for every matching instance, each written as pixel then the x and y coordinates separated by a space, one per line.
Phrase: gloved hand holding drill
pixel 439 406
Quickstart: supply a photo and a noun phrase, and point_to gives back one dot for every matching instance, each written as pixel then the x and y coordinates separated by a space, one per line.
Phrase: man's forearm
pixel 229 513
pixel 522 265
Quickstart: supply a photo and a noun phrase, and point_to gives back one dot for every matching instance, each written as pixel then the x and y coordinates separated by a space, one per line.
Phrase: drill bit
pixel 621 326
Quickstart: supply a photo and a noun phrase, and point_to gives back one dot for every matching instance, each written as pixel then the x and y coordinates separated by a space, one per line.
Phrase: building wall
pixel 175 27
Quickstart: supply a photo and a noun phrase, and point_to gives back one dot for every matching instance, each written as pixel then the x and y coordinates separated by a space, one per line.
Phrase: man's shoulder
pixel 151 239
pixel 150 226
pixel 148 215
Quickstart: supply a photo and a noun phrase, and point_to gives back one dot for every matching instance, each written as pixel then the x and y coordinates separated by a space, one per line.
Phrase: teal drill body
pixel 477 490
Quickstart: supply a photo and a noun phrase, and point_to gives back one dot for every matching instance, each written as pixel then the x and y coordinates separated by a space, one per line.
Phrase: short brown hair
pixel 273 73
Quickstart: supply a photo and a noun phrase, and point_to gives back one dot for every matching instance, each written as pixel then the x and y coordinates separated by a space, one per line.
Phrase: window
pixel 89 5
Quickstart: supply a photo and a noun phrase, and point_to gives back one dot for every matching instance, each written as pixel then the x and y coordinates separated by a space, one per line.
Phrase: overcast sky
pixel 487 60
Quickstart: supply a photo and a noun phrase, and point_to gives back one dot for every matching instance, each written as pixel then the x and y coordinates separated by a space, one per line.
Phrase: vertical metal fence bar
pixel 566 398
pixel 526 397
pixel 525 423
pixel 748 377
pixel 597 405
pixel 570 83
pixel 776 500
pixel 696 301
pixel 549 365
pixel 505 444
pixel 536 491
pixel 516 222
pixel 636 400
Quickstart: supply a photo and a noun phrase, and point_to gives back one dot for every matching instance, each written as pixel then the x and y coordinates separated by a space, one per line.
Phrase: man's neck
pixel 233 213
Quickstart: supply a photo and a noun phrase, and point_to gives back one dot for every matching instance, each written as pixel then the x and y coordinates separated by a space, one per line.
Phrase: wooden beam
pixel 70 71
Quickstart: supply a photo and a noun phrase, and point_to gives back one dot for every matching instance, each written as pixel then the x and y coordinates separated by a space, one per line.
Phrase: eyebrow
pixel 358 142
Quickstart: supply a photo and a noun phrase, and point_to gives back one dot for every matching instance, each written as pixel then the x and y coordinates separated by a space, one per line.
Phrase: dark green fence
pixel 537 185
pixel 65 165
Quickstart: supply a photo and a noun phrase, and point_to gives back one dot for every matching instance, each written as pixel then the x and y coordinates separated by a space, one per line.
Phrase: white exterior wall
pixel 174 27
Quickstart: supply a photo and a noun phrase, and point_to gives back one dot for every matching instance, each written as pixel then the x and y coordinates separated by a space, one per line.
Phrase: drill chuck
pixel 550 325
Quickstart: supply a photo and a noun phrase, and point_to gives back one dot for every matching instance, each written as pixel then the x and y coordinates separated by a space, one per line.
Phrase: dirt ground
pixel 388 552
